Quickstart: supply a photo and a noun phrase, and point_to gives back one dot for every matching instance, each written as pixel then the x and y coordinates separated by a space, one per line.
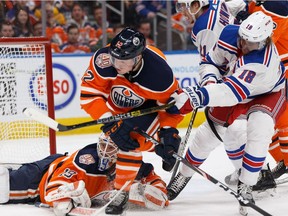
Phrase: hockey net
pixel 25 81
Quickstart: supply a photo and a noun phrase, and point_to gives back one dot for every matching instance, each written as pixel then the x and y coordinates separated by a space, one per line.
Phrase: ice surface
pixel 199 198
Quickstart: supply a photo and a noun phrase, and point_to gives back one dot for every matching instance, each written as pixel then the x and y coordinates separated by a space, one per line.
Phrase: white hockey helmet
pixel 107 151
pixel 181 5
pixel 256 28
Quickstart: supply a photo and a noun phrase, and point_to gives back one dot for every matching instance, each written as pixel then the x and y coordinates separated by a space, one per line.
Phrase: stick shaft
pixel 40 117
pixel 183 144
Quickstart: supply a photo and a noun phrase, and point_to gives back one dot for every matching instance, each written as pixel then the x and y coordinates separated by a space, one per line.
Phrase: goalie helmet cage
pixel 26 80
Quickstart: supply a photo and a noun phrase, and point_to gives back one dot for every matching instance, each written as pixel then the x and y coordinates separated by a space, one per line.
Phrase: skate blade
pixel 243 210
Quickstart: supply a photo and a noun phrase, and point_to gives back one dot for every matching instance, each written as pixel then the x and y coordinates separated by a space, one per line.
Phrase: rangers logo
pixel 86 159
pixel 124 97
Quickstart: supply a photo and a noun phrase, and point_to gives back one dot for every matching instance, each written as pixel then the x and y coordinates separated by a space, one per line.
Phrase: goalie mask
pixel 107 152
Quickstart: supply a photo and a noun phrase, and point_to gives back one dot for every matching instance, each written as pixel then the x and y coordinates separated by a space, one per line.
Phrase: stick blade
pixel 40 117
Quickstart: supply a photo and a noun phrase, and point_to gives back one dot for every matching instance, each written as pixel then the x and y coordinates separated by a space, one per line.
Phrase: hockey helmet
pixel 256 28
pixel 107 151
pixel 128 44
pixel 182 5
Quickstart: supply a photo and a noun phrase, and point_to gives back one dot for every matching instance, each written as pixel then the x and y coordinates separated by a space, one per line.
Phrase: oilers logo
pixel 124 97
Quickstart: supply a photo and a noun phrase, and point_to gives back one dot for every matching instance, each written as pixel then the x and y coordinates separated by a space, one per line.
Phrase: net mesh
pixel 22 84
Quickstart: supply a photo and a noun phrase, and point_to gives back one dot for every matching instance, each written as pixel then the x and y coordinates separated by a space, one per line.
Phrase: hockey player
pixel 209 19
pixel 81 179
pixel 278 10
pixel 125 76
pixel 254 89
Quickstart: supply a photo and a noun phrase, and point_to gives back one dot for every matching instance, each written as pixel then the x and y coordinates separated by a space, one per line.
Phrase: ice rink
pixel 199 198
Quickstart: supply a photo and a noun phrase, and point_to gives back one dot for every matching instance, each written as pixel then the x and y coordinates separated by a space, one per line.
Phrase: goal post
pixel 26 80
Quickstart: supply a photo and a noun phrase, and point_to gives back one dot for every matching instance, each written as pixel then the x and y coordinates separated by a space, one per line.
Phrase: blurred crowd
pixel 76 26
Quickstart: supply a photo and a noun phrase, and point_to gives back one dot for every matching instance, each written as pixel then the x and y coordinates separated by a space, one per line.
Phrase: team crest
pixel 136 41
pixel 103 60
pixel 86 159
pixel 124 97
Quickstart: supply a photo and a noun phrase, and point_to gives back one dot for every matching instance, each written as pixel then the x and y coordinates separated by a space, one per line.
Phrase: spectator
pixel 73 45
pixel 23 26
pixel 97 14
pixel 15 6
pixel 6 29
pixel 37 29
pixel 87 33
pixel 144 27
pixel 78 16
pixel 37 32
pixel 53 16
pixel 148 9
pixel 131 16
pixel 2 12
pixel 66 9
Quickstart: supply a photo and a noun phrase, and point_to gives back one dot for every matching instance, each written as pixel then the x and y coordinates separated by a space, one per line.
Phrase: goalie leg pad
pixel 4 185
pixel 148 196
pixel 155 199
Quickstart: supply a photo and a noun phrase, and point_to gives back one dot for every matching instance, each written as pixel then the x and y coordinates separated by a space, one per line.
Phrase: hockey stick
pixel 40 117
pixel 183 144
pixel 208 177
pixel 82 211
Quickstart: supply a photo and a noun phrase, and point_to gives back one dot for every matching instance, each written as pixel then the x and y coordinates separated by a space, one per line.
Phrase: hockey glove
pixel 119 132
pixel 170 143
pixel 186 100
pixel 67 196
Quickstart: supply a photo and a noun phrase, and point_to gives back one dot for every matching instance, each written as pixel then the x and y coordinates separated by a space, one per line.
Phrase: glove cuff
pixel 198 97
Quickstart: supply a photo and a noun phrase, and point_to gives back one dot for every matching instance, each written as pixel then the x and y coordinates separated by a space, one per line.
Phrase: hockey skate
pixel 246 192
pixel 232 179
pixel 265 181
pixel 176 186
pixel 118 205
pixel 279 170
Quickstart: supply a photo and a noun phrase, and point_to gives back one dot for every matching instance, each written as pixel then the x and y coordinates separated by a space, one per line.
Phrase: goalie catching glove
pixel 119 132
pixel 69 196
pixel 186 100
pixel 170 143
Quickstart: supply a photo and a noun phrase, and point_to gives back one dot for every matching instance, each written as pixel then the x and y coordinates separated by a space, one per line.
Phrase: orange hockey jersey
pixel 104 90
pixel 81 165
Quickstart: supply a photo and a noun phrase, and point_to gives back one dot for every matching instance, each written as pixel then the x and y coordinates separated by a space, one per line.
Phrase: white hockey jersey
pixel 246 76
pixel 209 25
